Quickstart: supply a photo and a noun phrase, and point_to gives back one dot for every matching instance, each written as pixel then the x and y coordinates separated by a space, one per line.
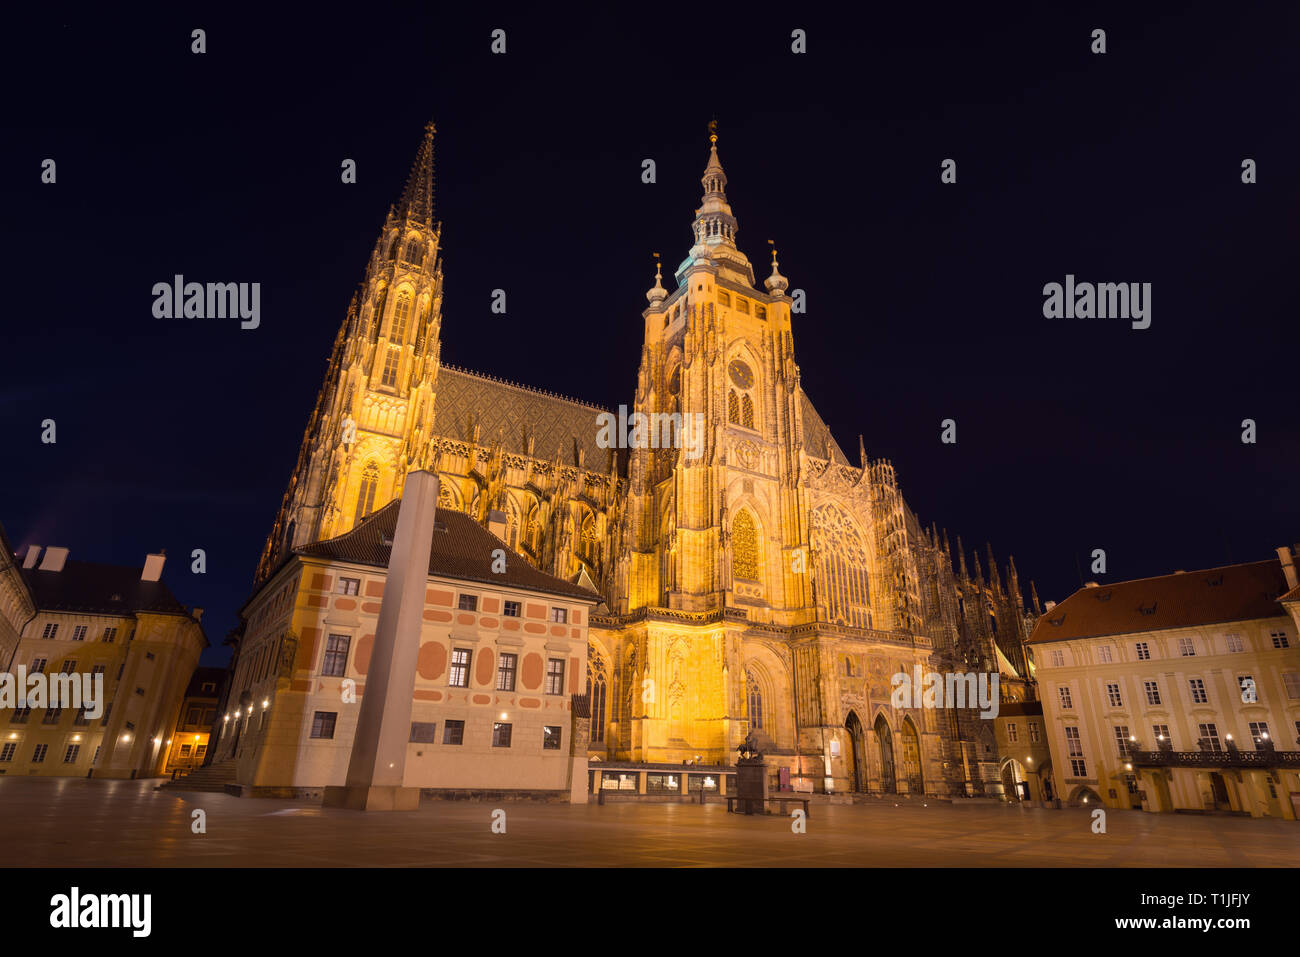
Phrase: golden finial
pixel 713 131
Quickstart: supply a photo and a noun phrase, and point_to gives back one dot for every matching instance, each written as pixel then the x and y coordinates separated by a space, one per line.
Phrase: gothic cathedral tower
pixel 374 414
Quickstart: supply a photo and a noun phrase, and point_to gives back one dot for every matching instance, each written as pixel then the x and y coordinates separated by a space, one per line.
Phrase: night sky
pixel 924 300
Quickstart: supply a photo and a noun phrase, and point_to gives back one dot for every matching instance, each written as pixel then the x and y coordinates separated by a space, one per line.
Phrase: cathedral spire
pixel 417 198
pixel 714 227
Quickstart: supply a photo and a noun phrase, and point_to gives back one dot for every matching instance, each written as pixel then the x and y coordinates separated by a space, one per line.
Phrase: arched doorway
pixel 1086 796
pixel 912 758
pixel 1013 774
pixel 885 740
pixel 857 752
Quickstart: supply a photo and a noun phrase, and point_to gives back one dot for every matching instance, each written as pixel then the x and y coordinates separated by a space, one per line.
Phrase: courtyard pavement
pixel 75 822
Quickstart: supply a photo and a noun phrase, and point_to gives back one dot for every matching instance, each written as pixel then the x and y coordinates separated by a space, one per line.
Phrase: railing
pixel 1216 759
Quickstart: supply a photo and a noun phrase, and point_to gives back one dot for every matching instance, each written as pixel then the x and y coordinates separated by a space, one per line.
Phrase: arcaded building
pixel 759 580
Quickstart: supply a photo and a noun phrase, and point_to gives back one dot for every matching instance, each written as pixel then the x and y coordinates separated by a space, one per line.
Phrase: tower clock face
pixel 741 374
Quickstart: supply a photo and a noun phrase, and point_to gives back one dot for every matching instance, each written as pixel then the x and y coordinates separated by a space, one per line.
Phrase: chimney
pixel 1288 567
pixel 29 558
pixel 497 523
pixel 54 559
pixel 153 566
pixel 1049 606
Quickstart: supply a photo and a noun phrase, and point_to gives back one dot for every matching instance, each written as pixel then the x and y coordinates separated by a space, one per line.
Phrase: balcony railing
pixel 1216 759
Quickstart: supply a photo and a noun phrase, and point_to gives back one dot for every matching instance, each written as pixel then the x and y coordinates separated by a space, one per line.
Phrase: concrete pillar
pixel 378 763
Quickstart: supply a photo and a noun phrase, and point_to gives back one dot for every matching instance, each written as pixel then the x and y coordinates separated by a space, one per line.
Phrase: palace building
pixel 767 584
pixel 1176 693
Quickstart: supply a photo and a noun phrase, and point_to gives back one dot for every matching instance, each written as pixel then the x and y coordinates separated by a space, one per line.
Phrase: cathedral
pixel 761 583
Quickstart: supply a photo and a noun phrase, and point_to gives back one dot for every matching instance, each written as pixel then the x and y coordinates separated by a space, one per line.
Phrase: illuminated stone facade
pixel 766 583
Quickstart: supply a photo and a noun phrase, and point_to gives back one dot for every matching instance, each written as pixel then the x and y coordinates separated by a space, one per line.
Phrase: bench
pixel 783 801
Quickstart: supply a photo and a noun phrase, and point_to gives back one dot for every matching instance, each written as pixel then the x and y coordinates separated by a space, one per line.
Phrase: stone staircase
pixel 213 778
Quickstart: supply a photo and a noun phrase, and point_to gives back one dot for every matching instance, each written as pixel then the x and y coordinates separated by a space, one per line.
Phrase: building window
pixel 1121 739
pixel 335 664
pixel 94 758
pixel 37 666
pixel 742 305
pixel 1186 648
pixel 424 732
pixel 560 615
pixel 70 755
pixel 596 697
pixel 500 734
pixel 1209 737
pixel 348 586
pixel 1013 735
pixel 555 676
pixel 724 298
pixel 1259 733
pixel 79 632
pixel 7 751
pixel 754 698
pixel 186 749
pixel 1279 639
pixel 51 630
pixel 664 784
pixel 551 737
pixel 140 692
pixel 453 732
pixel 1161 733
pixel 1078 767
pixel 733 408
pixel 1033 732
pixel 366 494
pixel 744 547
pixel 468 603
pixel 110 635
pixel 52 716
pixel 1291 681
pixel 322 725
pixel 1058 659
pixel 1104 651
pixel 760 311
pixel 1143 651
pixel 80 720
pixel 1113 696
pixel 512 609
pixel 506 672
pixel 1235 643
pixel 130 726
pixel 1249 691
pixel 389 375
pixel 21 715
pixel 98 669
pixel 1153 692
pixel 148 656
pixel 401 312
pixel 1197 687
pixel 459 675
pixel 1066 701
pixel 38 756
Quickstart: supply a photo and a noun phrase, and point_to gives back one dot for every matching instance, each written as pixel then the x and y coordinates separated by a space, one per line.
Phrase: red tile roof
pixel 462 548
pixel 1181 600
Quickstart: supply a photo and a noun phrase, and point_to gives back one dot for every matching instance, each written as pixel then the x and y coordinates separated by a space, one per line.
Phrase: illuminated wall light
pixel 126 737
pixel 266 703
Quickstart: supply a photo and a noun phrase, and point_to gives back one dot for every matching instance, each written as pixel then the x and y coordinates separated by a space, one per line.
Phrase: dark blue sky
pixel 925 300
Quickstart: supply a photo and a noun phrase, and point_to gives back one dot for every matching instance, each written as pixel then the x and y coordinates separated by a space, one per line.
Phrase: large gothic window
pixel 413 252
pixel 401 312
pixel 755 697
pixel 733 408
pixel 747 412
pixel 389 375
pixel 842 562
pixel 366 494
pixel 596 695
pixel 587 539
pixel 744 547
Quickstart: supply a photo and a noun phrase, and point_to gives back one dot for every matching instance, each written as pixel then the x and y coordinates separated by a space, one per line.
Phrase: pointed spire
pixel 417 198
pixel 994 579
pixel 776 284
pixel 1033 596
pixel 657 292
pixel 862 451
pixel 961 557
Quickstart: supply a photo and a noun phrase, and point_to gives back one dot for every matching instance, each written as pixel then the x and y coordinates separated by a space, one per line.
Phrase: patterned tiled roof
pixel 511 413
pixel 1182 600
pixel 816 433
pixel 462 549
